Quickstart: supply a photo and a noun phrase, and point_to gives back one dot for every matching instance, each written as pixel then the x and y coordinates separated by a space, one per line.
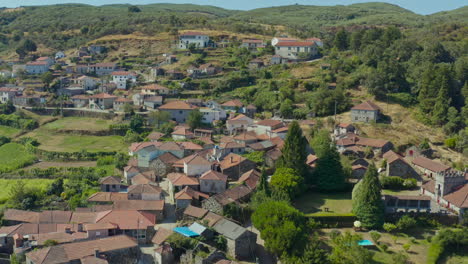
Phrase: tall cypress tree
pixel 263 185
pixel 439 113
pixel 367 202
pixel 329 173
pixel 294 154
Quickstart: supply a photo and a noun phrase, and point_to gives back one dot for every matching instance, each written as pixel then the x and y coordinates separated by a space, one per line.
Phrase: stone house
pixel 120 102
pixel 101 101
pixel 115 248
pixel 110 184
pixel 7 94
pixel 213 182
pixel 146 192
pixel 189 196
pixel 398 166
pixel 238 124
pixel 162 165
pixel 153 102
pixel 179 110
pixel 182 134
pixel 178 181
pixel 196 165
pixel 155 136
pixel 225 148
pixel 241 243
pixel 267 127
pixel 156 89
pixel 275 59
pixel 234 166
pixel 252 44
pixel 217 203
pixel 250 178
pixel 358 171
pixel 343 129
pixel 429 167
pixel 152 150
pixel 365 112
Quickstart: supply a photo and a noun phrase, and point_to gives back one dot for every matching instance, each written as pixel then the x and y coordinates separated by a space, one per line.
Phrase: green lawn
pixel 79 123
pixel 317 202
pixel 8 183
pixel 14 156
pixel 71 143
pixel 8 131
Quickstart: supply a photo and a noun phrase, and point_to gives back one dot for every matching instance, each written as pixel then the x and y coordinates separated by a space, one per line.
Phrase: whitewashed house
pixel 122 78
pixel 198 39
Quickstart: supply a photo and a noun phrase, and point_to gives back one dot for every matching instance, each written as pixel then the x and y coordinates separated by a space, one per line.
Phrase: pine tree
pixel 263 185
pixel 294 153
pixel 329 173
pixel 439 112
pixel 341 40
pixel 367 201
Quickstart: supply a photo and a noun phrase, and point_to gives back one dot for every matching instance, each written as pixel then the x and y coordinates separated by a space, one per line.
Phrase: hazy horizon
pixel 417 6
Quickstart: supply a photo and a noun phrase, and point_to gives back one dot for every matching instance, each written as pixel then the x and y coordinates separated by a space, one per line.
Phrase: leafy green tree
pixel 329 173
pixel 341 39
pixel 294 153
pixel 120 160
pixel 286 109
pixel 367 204
pixel 47 78
pixel 263 182
pixel 287 180
pixel 346 250
pixel 134 9
pixel 56 187
pixel 194 119
pixel 284 229
pixel 442 104
pixel 136 123
pixel 157 118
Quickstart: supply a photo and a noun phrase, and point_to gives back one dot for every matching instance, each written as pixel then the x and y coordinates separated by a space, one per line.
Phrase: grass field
pixel 317 202
pixel 8 131
pixel 79 123
pixel 14 156
pixel 71 143
pixel 8 183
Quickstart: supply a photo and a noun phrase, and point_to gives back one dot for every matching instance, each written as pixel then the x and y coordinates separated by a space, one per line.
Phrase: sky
pixel 418 6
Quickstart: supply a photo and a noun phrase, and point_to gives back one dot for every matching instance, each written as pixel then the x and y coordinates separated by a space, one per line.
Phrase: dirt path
pixel 48 164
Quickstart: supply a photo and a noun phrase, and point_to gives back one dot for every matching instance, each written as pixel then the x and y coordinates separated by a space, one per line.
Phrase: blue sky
pixel 417 6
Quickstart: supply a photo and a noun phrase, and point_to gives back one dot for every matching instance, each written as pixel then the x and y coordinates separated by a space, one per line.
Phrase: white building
pixel 59 55
pixel 296 50
pixel 212 114
pixel 200 40
pixel 121 78
pixel 87 83
pixel 36 67
pixel 7 94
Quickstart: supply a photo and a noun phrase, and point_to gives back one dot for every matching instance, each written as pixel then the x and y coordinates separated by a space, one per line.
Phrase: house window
pixel 289 48
pixel 98 233
pixel 180 112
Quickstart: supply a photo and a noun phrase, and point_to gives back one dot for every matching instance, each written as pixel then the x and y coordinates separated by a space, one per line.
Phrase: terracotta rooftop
pixel 103 96
pixel 233 103
pixel 459 197
pixel 168 158
pixel 110 180
pixel 391 157
pixel 140 205
pixel 311 159
pixel 196 212
pixel 73 252
pixel 429 164
pixel 99 226
pixel 127 219
pixel 367 105
pixel 107 197
pixel 180 179
pixel 155 135
pixel 177 105
pixel 212 218
pixel 246 136
pixel 161 235
pixel 182 132
pixel 429 186
pixel 154 87
pixel 232 195
pixel 295 44
pixel 144 188
pixel 231 160
pixel 190 145
pixel 250 178
pixel 188 194
pixel 269 123
pixel 213 175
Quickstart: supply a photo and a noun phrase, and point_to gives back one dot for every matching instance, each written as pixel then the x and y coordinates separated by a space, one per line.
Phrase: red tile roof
pixel 459 198
pixel 140 205
pixel 196 212
pixel 154 87
pixel 103 96
pixel 250 178
pixel 231 160
pixel 214 175
pixel 127 219
pixel 177 105
pixel 75 251
pixel 212 218
pixel 367 105
pixel 161 235
pixel 270 123
pixel 233 103
pixel 430 164
pixel 107 197
pixel 295 44
pixel 144 188
pixel 180 179
pixel 188 194
pixel 110 180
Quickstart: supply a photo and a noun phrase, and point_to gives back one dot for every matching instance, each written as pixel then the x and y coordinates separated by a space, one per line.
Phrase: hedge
pixel 333 219
pixel 18 122
pixel 73 156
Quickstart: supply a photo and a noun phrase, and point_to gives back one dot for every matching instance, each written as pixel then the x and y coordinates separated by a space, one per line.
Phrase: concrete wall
pixel 364 115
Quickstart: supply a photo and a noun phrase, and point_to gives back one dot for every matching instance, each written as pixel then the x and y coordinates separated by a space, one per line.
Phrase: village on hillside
pixel 151 163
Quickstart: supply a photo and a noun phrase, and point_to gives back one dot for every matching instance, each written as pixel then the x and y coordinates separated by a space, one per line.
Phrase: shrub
pixel 450 142
pixel 4 140
pixel 392 182
pixel 406 223
pixel 389 227
pixel 106 160
pixel 410 183
pixel 384 247
pixel 375 236
pixel 400 258
pixel 406 247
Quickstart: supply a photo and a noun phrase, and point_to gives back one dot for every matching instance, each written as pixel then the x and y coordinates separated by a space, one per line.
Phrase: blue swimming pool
pixel 365 242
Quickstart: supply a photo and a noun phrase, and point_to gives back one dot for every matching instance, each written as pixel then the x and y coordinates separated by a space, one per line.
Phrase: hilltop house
pixel 198 39
pixel 252 44
pixel 295 50
pixel 156 89
pixel 101 101
pixel 7 94
pixel 122 78
pixel 179 110
pixel 365 112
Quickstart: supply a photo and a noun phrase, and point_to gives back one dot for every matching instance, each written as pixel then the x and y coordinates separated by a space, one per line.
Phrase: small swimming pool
pixel 365 242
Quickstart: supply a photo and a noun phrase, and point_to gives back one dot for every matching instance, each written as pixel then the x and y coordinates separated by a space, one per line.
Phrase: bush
pixel 406 223
pixel 406 247
pixel 375 236
pixel 392 182
pixel 410 183
pixel 18 122
pixel 384 247
pixel 389 227
pixel 106 160
pixel 4 140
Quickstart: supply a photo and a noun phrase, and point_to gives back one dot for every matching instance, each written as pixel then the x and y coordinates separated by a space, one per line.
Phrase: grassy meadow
pixel 14 156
